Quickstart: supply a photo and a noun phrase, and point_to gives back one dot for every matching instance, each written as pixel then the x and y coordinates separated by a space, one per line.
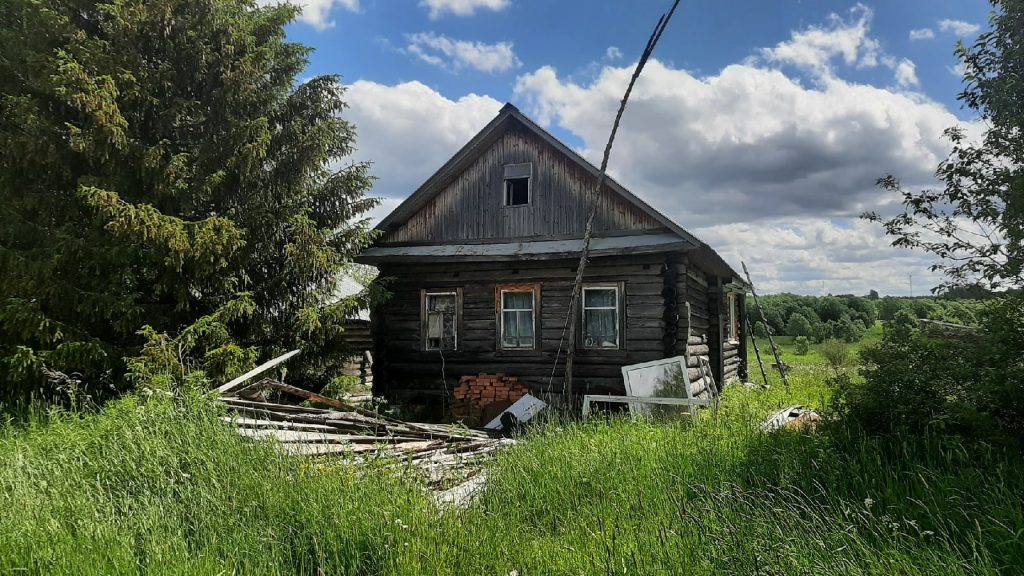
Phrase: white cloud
pixel 957 70
pixel 814 48
pixel 922 34
pixel 758 165
pixel 438 8
pixel 753 146
pixel 906 74
pixel 409 130
pixel 454 55
pixel 756 141
pixel 613 53
pixel 959 27
pixel 818 256
pixel 316 13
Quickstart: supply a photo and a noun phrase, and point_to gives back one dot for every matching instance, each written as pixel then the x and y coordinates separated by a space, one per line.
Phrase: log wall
pixel 657 288
pixel 405 372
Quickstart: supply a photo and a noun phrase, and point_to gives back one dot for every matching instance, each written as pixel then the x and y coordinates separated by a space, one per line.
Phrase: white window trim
pixel 426 317
pixel 618 315
pixel 501 316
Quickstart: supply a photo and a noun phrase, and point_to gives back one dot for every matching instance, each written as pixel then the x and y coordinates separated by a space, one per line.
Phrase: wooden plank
pixel 225 388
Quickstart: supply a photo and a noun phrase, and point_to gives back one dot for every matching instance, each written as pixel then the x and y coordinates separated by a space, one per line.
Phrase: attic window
pixel 517 184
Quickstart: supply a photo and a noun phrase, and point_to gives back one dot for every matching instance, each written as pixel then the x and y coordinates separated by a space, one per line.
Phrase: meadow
pixel 160 486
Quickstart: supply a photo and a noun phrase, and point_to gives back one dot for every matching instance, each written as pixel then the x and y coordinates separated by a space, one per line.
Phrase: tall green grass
pixel 164 487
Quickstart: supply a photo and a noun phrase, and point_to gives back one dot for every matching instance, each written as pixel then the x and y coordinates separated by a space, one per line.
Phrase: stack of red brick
pixel 480 398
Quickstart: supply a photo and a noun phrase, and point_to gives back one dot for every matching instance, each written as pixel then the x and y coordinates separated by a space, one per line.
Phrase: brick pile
pixel 480 398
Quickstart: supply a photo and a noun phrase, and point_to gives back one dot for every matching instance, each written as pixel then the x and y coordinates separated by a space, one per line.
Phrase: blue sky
pixel 761 126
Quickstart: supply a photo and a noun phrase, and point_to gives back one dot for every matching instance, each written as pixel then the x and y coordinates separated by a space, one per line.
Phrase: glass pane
pixel 517 300
pixel 599 328
pixel 510 329
pixel 439 302
pixel 433 325
pixel 448 327
pixel 525 325
pixel 603 298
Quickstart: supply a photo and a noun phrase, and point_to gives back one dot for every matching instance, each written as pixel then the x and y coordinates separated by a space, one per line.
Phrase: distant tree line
pixel 847 317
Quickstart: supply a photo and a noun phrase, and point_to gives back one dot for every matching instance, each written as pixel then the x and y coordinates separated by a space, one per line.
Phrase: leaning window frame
pixel 499 309
pixel 424 337
pixel 515 172
pixel 620 291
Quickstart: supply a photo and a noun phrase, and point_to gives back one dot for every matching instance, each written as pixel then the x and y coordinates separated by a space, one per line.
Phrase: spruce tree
pixel 161 163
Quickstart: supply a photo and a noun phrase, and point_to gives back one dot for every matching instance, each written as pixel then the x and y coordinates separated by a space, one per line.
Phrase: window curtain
pixel 600 322
pixel 517 320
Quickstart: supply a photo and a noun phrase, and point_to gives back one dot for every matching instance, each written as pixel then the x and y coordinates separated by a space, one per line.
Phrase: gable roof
pixel 489 134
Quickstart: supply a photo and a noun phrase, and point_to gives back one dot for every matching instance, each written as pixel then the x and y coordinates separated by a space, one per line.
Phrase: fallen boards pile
pixel 443 451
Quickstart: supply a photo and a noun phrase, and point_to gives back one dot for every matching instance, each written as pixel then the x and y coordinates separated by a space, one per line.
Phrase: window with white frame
pixel 440 320
pixel 517 317
pixel 517 190
pixel 601 325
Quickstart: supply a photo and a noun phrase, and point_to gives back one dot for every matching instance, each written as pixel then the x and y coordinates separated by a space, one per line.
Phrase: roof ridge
pixel 432 186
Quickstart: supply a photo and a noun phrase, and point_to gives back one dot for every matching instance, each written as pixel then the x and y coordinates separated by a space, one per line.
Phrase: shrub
pixel 848 330
pixel 759 329
pixel 798 325
pixel 835 352
pixel 969 386
pixel 903 324
pixel 802 344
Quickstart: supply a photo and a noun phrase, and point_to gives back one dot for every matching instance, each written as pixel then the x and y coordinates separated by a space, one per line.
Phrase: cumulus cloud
pixel 763 167
pixel 409 130
pixel 819 256
pixel 906 74
pixel 454 55
pixel 316 13
pixel 814 48
pixel 613 53
pixel 748 143
pixel 754 162
pixel 438 8
pixel 922 34
pixel 959 27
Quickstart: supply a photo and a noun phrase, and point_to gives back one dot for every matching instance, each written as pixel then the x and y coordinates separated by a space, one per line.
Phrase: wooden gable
pixel 470 206
pixel 463 203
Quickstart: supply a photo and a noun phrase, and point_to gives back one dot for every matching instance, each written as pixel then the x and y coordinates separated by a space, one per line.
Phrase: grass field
pixel 162 487
pixel 813 358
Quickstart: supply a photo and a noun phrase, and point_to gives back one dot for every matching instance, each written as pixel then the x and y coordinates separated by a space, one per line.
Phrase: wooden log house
pixel 482 258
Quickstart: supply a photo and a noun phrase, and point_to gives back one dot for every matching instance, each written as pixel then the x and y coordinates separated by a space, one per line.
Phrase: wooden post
pixel 768 329
pixel 757 352
pixel 570 354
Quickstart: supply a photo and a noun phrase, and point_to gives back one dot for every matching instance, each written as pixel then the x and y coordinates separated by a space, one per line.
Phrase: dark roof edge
pixel 428 188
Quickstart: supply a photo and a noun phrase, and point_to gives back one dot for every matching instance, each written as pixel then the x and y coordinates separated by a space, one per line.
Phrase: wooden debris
pixel 444 452
pixel 791 417
pixel 226 388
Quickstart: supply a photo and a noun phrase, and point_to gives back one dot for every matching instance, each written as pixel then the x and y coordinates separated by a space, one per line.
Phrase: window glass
pixel 601 317
pixel 441 310
pixel 517 320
